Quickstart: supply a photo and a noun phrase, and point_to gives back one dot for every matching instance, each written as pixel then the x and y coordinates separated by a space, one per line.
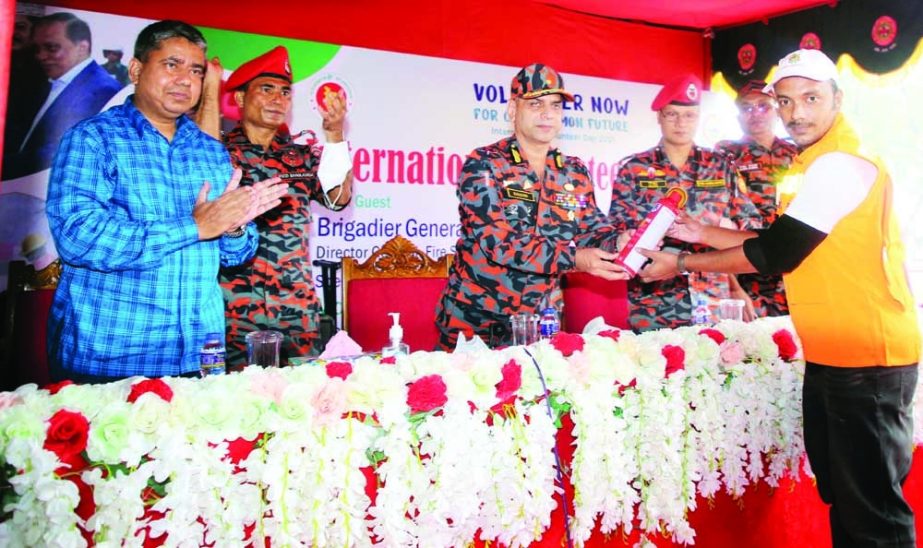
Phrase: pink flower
pixel 675 356
pixel 512 380
pixel 329 402
pixel 613 334
pixel 339 369
pixel 269 383
pixel 426 393
pixel 714 335
pixel 786 343
pixel 731 353
pixel 580 370
pixel 567 343
pixel 154 386
pixel 8 400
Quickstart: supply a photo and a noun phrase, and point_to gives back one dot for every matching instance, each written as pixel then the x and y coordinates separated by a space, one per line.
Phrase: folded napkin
pixel 596 325
pixel 340 345
pixel 474 346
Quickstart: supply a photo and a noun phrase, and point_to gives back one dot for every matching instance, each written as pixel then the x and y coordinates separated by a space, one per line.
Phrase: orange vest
pixel 849 299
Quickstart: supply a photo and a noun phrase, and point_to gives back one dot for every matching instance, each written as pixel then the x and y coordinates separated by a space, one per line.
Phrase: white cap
pixel 806 63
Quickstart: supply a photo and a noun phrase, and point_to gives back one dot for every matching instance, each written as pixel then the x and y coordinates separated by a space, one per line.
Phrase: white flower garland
pixel 645 445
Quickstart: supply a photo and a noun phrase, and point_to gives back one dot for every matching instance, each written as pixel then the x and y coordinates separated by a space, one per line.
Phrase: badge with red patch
pixel 810 41
pixel 884 33
pixel 292 157
pixel 746 58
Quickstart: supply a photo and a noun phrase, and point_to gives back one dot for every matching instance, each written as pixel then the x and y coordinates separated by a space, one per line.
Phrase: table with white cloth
pixel 670 437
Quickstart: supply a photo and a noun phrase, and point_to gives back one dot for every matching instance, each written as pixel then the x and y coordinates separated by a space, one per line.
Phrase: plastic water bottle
pixel 549 322
pixel 700 314
pixel 211 358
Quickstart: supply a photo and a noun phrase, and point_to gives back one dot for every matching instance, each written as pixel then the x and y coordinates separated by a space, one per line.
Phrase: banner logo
pixel 326 88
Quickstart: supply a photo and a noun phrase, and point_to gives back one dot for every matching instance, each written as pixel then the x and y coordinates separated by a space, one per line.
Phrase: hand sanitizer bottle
pixel 396 333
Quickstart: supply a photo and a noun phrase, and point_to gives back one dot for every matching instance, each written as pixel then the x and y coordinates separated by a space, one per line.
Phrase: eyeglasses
pixel 762 108
pixel 674 116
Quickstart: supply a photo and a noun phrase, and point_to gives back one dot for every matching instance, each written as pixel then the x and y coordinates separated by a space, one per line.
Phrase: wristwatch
pixel 681 262
pixel 236 233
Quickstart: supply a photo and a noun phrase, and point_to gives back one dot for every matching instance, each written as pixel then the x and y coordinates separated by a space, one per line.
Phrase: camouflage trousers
pixel 767 292
pixel 454 317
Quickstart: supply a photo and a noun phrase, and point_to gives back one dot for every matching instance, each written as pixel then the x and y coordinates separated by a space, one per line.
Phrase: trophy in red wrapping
pixel 652 229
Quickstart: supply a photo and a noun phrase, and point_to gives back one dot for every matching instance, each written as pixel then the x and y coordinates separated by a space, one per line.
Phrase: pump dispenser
pixel 396 333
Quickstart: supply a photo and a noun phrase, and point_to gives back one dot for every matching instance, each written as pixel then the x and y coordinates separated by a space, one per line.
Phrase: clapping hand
pixel 236 206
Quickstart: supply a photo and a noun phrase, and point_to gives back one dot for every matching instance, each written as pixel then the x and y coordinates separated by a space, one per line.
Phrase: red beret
pixel 272 63
pixel 683 91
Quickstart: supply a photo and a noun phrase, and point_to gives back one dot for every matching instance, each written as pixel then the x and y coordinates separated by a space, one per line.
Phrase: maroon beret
pixel 753 86
pixel 272 63
pixel 682 91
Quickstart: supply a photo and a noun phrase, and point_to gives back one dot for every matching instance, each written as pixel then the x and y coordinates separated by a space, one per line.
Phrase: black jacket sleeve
pixel 781 247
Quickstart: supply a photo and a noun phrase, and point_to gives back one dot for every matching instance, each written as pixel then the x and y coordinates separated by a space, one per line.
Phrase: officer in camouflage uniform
pixel 715 197
pixel 762 159
pixel 275 290
pixel 528 215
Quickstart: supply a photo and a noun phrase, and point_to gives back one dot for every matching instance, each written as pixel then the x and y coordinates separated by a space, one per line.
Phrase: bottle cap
pixel 213 337
pixel 396 333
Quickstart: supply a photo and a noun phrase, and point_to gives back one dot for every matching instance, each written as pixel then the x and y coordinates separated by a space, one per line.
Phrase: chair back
pixel 587 296
pixel 25 319
pixel 396 278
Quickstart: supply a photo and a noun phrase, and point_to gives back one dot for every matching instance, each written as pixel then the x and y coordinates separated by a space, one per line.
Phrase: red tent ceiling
pixel 696 14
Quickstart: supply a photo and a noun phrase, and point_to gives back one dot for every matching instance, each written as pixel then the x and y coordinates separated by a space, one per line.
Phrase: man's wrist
pixel 681 262
pixel 334 135
pixel 237 232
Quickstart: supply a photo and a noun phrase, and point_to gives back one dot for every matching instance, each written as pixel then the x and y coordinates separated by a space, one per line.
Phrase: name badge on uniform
pixel 294 175
pixel 570 201
pixel 652 183
pixel 517 194
pixel 711 183
pixel 749 167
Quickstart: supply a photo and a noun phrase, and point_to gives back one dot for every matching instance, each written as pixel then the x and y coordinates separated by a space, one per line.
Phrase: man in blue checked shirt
pixel 143 207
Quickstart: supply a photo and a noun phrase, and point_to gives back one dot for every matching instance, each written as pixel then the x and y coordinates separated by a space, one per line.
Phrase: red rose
pixel 786 343
pixel 66 435
pixel 512 380
pixel 426 394
pixel 613 334
pixel 56 387
pixel 155 386
pixel 339 369
pixel 714 335
pixel 390 360
pixel 675 356
pixel 567 343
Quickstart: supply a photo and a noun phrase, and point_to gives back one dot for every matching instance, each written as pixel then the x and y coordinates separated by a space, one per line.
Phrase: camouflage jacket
pixel 763 170
pixel 519 233
pixel 716 196
pixel 275 290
